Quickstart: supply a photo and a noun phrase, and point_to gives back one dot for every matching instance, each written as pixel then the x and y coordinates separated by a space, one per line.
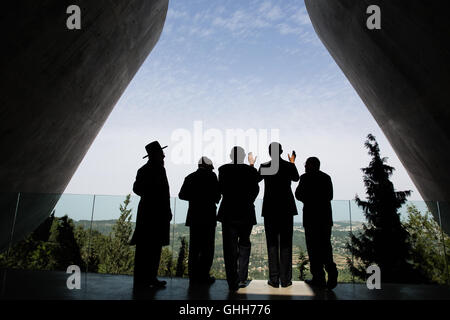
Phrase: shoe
pixel 158 284
pixel 273 284
pixel 317 284
pixel 233 288
pixel 332 280
pixel 243 284
pixel 287 284
pixel 210 280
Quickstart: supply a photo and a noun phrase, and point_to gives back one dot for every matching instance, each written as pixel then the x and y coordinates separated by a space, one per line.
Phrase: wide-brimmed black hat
pixel 152 148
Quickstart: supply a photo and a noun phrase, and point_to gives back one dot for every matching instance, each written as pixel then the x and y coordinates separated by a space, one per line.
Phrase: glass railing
pixel 92 232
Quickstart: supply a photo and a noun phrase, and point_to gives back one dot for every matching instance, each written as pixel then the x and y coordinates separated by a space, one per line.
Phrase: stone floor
pixel 51 285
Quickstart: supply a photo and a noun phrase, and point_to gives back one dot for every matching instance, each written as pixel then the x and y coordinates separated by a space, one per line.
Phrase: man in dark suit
pixel 278 211
pixel 201 189
pixel 153 218
pixel 315 190
pixel 238 184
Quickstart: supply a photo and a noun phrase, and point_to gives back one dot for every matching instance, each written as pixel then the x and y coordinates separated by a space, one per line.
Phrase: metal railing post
pixel 351 233
pixel 443 242
pixel 11 236
pixel 89 243
pixel 173 232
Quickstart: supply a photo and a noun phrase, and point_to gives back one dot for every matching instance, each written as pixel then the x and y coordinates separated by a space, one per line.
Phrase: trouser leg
pixel 244 246
pixel 155 256
pixel 206 256
pixel 146 264
pixel 230 253
pixel 272 239
pixel 141 262
pixel 312 238
pixel 286 251
pixel 327 257
pixel 194 252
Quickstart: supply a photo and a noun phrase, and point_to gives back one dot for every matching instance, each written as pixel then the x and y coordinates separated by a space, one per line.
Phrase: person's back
pixel 238 184
pixel 152 186
pixel 278 196
pixel 152 230
pixel 315 190
pixel 278 211
pixel 201 189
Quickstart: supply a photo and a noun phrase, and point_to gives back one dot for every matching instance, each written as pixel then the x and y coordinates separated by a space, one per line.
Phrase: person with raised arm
pixel 278 211
pixel 238 183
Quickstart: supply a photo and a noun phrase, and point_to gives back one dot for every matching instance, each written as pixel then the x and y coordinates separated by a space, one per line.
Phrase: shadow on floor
pixel 51 285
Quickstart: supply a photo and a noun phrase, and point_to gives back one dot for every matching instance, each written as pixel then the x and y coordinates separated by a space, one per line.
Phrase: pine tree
pixel 62 244
pixel 119 256
pixel 182 259
pixel 302 263
pixel 166 263
pixel 383 240
pixel 428 243
pixel 52 246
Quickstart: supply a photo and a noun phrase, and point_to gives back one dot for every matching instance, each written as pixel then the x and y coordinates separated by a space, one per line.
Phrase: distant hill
pixel 339 237
pixel 105 226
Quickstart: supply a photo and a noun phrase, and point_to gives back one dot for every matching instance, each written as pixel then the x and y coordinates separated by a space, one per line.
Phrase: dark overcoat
pixel 154 214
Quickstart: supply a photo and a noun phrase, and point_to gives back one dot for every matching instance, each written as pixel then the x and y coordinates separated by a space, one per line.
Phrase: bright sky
pixel 249 65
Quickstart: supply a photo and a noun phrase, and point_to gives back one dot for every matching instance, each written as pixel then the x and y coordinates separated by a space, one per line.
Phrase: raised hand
pixel 292 158
pixel 251 160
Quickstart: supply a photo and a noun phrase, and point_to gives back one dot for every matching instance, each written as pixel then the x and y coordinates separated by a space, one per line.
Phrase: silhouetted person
pixel 278 211
pixel 153 218
pixel 238 184
pixel 315 190
pixel 201 189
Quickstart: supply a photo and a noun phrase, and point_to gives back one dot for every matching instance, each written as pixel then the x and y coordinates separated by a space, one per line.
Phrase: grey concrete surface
pixel 401 72
pixel 58 87
pixel 51 285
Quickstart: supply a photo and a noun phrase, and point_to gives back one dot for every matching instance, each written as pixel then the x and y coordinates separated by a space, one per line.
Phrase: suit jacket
pixel 315 190
pixel 201 189
pixel 239 187
pixel 154 214
pixel 278 197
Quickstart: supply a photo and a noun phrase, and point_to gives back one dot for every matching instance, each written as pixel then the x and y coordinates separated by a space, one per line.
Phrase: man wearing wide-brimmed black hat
pixel 153 218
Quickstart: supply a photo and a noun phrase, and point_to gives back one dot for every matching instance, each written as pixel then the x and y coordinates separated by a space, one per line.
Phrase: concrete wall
pixel 58 87
pixel 402 73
